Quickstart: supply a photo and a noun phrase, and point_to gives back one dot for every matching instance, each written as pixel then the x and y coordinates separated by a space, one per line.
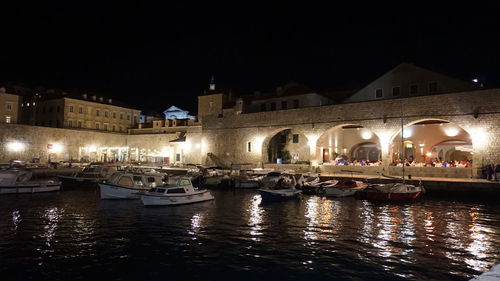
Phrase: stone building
pixel 9 106
pixel 80 110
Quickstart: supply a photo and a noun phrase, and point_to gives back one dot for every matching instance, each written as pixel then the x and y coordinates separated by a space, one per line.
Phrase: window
pixel 284 105
pixel 379 93
pixel 70 123
pixel 80 110
pixel 114 115
pixel 128 117
pixel 413 89
pixel 126 181
pixel 106 114
pixel 249 146
pixel 97 126
pixel 7 119
pixel 396 91
pixel 273 106
pixel 114 128
pixel 295 103
pixel 433 87
pixel 8 106
pixel 121 116
pixel 295 138
pixel 177 157
pixel 184 182
pixel 105 127
pixel 176 190
pixel 80 124
pixel 70 109
pixel 97 112
pixel 263 107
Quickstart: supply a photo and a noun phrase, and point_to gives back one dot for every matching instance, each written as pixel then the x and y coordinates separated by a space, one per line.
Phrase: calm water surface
pixel 72 235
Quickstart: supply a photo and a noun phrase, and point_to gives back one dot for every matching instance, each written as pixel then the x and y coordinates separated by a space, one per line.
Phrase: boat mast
pixel 402 143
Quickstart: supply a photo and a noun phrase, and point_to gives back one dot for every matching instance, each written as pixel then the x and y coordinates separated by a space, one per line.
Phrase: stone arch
pixel 426 135
pixel 366 151
pixel 342 139
pixel 289 144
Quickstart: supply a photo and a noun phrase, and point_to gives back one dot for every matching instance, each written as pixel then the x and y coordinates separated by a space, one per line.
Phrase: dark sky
pixel 153 56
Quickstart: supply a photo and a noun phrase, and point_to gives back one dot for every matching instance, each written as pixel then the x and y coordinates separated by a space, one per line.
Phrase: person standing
pixel 497 172
pixel 490 170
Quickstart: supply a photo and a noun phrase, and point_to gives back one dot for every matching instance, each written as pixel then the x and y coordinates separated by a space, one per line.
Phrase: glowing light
pixel 92 149
pixel 479 137
pixel 475 80
pixel 428 154
pixel 15 146
pixel 366 134
pixel 451 131
pixel 407 132
pixel 385 138
pixel 56 148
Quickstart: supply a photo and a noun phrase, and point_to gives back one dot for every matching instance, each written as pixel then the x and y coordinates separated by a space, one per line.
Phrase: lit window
pixel 28 104
pixel 7 119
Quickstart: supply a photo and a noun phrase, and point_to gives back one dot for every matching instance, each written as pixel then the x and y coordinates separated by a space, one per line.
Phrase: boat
pixel 279 185
pixel 89 176
pixel 390 191
pixel 129 185
pixel 19 181
pixel 248 179
pixel 342 188
pixel 395 190
pixel 310 185
pixel 178 191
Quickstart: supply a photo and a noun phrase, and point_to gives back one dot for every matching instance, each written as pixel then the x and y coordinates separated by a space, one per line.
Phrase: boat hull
pixel 74 182
pixel 112 191
pixel 175 199
pixel 279 194
pixel 30 188
pixel 340 192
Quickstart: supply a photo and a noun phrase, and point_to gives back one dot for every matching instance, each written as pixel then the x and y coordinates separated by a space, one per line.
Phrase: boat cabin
pixel 13 177
pixel 137 180
pixel 175 185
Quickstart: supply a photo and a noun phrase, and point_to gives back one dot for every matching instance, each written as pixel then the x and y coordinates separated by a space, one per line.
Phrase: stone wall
pixel 477 112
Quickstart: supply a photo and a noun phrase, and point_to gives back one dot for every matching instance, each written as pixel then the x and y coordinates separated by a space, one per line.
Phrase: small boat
pixel 310 184
pixel 248 179
pixel 278 185
pixel 19 181
pixel 390 191
pixel 179 190
pixel 89 176
pixel 129 185
pixel 342 188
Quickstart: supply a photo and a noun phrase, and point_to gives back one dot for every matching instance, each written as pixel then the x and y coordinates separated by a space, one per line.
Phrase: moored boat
pixel 89 176
pixel 343 188
pixel 277 186
pixel 179 190
pixel 129 185
pixel 19 181
pixel 390 191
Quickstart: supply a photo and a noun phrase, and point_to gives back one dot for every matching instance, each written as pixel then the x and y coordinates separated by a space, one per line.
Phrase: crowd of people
pixel 342 161
pixel 491 172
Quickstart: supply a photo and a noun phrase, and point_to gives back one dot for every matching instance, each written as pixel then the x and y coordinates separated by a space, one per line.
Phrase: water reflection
pixel 16 219
pixel 255 217
pixel 480 245
pixel 196 223
pixel 51 217
pixel 322 219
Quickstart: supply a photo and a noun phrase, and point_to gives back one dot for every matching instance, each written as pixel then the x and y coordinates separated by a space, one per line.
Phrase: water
pixel 72 235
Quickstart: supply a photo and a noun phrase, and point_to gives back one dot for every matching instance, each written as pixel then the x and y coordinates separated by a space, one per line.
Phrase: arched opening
pixel 348 144
pixel 287 146
pixel 432 143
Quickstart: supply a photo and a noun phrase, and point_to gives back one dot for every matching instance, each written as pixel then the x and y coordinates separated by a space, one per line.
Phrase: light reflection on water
pixel 308 238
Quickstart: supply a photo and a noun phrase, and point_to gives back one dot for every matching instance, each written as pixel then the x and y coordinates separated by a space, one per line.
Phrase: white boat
pixel 344 188
pixel 89 176
pixel 19 181
pixel 391 191
pixel 179 190
pixel 129 185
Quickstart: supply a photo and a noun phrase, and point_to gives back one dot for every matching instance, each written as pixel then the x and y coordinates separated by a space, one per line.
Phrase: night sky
pixel 154 56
